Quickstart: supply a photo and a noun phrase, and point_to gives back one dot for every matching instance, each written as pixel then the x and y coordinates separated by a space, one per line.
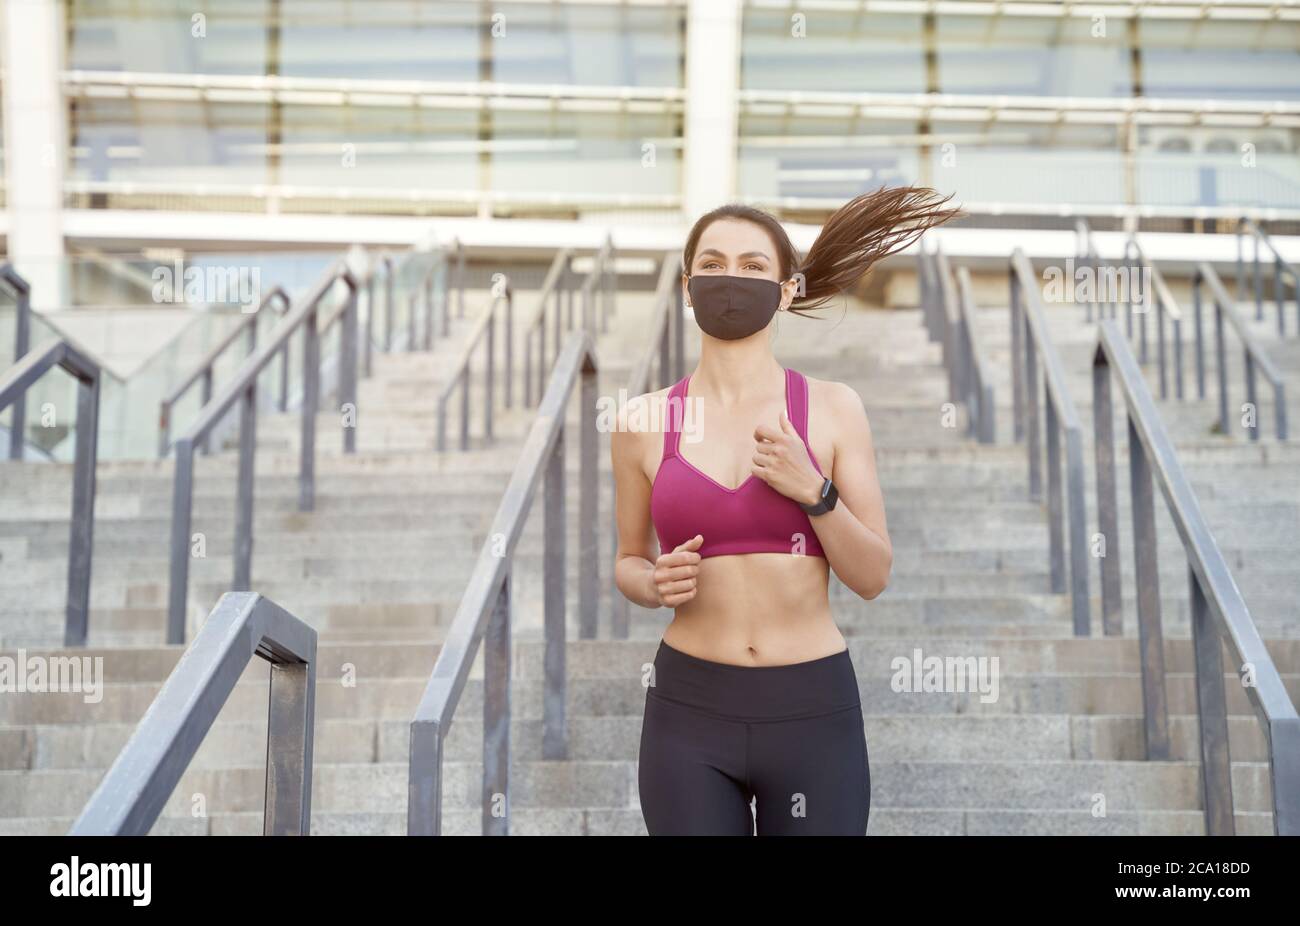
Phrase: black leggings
pixel 789 738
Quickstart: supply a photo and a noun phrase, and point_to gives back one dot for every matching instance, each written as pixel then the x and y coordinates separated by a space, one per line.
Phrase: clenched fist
pixel 675 573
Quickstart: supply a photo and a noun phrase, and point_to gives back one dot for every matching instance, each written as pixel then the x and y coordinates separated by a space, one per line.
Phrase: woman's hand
pixel 675 572
pixel 781 460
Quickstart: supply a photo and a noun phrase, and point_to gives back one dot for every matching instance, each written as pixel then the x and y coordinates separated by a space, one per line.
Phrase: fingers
pixel 676 572
pixel 690 546
pixel 673 601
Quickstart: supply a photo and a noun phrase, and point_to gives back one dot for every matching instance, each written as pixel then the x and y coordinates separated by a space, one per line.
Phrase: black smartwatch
pixel 826 501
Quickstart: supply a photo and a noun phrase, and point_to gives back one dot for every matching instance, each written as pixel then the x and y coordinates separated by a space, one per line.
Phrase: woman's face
pixel 734 247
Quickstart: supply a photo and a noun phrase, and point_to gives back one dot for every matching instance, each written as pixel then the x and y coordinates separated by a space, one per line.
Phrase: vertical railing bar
pixel 182 509
pixel 1212 715
pixel 1112 602
pixel 496 715
pixel 554 616
pixel 588 506
pixel 1146 581
pixel 81 539
pixel 244 494
pixel 348 411
pixel 310 407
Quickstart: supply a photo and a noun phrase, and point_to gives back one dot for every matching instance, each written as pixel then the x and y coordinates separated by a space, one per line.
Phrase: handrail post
pixel 242 580
pixel 81 540
pixel 1146 580
pixel 348 371
pixel 389 298
pixel 510 346
pixel 464 408
pixel 205 397
pixel 1200 335
pixel 1221 360
pixel 496 715
pixel 588 507
pixel 1032 428
pixel 1016 315
pixel 310 408
pixel 444 293
pixel 284 378
pixel 554 592
pixel 1212 715
pixel 370 322
pixel 1074 485
pixel 428 309
pixel 490 374
pixel 1259 280
pixel 1112 602
pixel 412 300
pixel 460 279
pixel 182 511
pixel 22 343
pixel 1055 500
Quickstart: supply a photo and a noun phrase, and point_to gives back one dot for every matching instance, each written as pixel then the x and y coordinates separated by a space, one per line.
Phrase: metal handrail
pixel 1281 270
pixel 242 389
pixel 484 613
pixel 602 275
pixel 458 247
pixel 978 387
pixel 561 299
pixel 22 291
pixel 950 317
pixel 203 370
pixel 141 779
pixel 1253 354
pixel 1031 346
pixel 557 293
pixel 667 344
pixel 1086 253
pixel 13 390
pixel 1218 611
pixel 946 315
pixel 1166 305
pixel 501 294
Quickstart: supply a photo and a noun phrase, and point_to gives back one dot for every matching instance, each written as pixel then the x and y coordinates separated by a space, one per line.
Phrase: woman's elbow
pixel 878 580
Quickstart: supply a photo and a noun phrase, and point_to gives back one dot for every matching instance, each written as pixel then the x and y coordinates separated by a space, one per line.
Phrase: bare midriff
pixel 758 609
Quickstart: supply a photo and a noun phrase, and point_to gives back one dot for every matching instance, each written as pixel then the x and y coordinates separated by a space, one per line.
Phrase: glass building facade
pixel 570 109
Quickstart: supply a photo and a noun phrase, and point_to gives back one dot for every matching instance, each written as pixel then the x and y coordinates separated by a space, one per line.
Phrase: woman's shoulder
pixel 831 393
pixel 644 413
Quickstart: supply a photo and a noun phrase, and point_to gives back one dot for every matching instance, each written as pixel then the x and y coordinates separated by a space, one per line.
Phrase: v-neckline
pixel 752 476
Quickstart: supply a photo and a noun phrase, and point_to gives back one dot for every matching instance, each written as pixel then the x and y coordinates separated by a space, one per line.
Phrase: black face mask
pixel 733 307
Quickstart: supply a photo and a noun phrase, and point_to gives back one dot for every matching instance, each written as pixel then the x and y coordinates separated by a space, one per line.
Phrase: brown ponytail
pixel 862 231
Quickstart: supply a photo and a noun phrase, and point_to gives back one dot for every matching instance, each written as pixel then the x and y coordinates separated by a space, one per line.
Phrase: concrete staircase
pixel 380 565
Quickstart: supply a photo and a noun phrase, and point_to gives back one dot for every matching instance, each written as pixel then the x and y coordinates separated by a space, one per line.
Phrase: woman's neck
pixel 736 376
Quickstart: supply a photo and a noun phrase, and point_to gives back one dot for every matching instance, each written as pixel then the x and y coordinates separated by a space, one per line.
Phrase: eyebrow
pixel 718 253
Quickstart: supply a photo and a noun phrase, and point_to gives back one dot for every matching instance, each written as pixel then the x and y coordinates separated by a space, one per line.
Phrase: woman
pixel 759 482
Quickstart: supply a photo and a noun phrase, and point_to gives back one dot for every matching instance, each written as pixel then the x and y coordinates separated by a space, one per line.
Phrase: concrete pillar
pixel 35 145
pixel 712 112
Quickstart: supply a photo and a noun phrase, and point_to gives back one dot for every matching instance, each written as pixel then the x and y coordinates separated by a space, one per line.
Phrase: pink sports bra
pixel 751 518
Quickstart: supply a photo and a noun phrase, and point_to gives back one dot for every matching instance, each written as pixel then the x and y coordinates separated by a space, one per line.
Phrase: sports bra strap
pixel 799 403
pixel 673 409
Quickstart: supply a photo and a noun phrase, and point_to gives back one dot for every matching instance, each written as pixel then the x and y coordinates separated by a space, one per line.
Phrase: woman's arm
pixel 853 534
pixel 634 564
pixel 663 581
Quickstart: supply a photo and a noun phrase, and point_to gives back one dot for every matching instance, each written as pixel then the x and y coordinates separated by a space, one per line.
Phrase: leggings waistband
pixel 801 689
